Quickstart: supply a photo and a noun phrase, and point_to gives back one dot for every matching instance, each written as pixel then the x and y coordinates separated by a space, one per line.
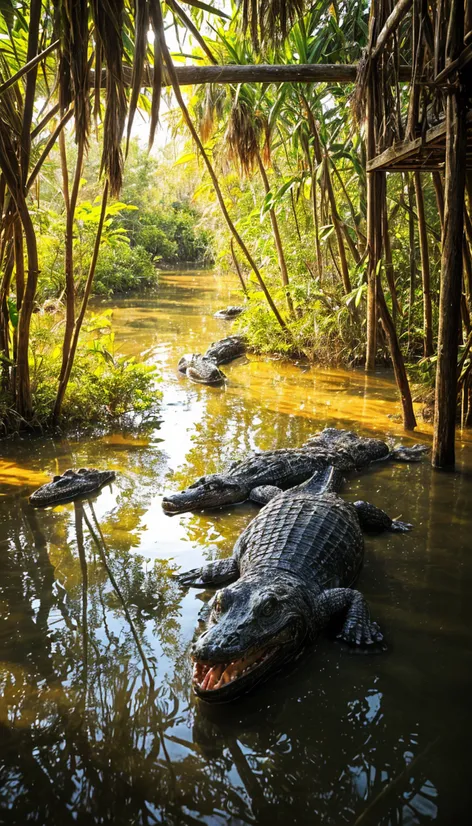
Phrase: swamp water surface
pixel 98 724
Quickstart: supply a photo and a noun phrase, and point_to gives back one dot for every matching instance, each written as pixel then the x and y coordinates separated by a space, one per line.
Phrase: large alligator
pixel 71 485
pixel 227 349
pixel 285 468
pixel 292 569
pixel 200 369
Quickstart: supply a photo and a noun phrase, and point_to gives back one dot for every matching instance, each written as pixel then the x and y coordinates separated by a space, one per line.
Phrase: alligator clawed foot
pixel 366 637
pixel 400 527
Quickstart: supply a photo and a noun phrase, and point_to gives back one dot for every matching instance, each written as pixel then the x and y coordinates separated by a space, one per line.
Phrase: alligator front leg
pixel 214 574
pixel 264 493
pixel 358 629
pixel 375 519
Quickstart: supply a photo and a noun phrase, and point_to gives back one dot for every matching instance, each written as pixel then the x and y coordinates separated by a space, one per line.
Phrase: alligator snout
pixel 209 648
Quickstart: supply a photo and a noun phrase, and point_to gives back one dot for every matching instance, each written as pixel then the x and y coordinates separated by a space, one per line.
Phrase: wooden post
pixel 428 347
pixel 372 218
pixel 451 261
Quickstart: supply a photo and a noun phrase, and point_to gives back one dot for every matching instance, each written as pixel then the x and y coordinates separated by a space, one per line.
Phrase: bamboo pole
pixel 425 269
pixel 277 239
pixel 259 73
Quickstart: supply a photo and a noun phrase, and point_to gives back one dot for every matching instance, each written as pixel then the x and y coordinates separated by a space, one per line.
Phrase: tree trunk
pixel 78 324
pixel 451 262
pixel 412 239
pixel 24 400
pixel 428 347
pixel 70 205
pixel 277 239
pixel 338 229
pixel 372 221
pixel 237 267
pixel 409 420
pixel 389 271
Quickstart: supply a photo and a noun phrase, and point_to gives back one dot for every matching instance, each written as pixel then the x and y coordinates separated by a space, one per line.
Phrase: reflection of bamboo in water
pixel 101 547
pixel 79 515
pixel 392 788
pixel 250 782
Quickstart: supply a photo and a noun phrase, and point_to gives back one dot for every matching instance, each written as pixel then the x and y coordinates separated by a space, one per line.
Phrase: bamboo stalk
pixel 277 239
pixel 63 382
pixel 237 267
pixel 428 347
pixel 188 120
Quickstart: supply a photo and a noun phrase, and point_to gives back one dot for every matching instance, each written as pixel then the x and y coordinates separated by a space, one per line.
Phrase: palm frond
pixel 108 22
pixel 269 21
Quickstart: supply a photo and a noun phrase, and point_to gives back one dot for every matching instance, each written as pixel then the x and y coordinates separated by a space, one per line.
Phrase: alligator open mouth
pixel 208 677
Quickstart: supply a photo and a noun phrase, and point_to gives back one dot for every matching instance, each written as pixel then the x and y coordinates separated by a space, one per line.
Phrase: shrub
pixel 121 268
pixel 104 386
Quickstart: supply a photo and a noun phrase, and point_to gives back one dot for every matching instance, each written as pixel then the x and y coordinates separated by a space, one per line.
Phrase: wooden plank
pixel 417 149
pixel 456 66
pixel 262 73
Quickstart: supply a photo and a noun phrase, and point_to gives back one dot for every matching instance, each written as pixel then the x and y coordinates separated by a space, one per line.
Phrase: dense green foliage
pixel 313 150
pixel 105 387
pixel 144 229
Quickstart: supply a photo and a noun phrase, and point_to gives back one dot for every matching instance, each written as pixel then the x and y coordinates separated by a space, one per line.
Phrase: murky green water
pixel 98 724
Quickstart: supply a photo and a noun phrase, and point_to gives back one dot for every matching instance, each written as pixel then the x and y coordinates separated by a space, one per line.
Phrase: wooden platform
pixel 427 152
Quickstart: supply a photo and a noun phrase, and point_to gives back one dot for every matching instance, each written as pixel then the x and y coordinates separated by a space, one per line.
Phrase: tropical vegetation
pixel 284 164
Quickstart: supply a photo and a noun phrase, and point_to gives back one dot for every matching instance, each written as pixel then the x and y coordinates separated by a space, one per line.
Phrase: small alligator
pixel 285 468
pixel 71 485
pixel 229 312
pixel 200 369
pixel 227 349
pixel 292 569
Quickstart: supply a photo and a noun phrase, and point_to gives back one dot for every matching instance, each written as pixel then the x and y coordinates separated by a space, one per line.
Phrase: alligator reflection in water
pixel 99 744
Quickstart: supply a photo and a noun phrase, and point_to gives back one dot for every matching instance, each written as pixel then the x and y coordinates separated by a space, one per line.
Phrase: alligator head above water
pixel 226 349
pixel 272 618
pixel 71 485
pixel 200 369
pixel 229 312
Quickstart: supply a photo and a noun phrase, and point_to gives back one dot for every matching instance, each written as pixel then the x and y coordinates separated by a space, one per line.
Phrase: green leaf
pixel 12 312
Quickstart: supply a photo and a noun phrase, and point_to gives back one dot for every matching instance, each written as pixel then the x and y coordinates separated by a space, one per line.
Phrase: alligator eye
pixel 268 607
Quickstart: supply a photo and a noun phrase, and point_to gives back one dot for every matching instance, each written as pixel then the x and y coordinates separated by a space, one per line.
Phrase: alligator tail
pixel 328 480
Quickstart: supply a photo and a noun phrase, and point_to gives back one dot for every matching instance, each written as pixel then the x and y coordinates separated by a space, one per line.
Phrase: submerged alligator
pixel 227 349
pixel 204 369
pixel 71 485
pixel 229 312
pixel 292 569
pixel 285 468
pixel 200 369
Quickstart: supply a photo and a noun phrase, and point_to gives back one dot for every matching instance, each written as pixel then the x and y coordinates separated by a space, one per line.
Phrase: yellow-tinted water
pixel 98 723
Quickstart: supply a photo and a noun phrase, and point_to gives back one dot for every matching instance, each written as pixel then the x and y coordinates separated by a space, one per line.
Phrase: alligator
pixel 292 571
pixel 71 485
pixel 229 312
pixel 227 349
pixel 200 369
pixel 285 468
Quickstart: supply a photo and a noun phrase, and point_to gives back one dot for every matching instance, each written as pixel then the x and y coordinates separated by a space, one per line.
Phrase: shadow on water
pixel 97 721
